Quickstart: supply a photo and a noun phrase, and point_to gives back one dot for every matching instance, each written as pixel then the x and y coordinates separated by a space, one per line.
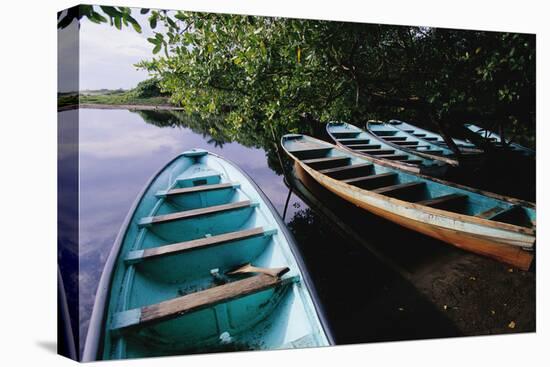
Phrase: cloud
pixel 108 55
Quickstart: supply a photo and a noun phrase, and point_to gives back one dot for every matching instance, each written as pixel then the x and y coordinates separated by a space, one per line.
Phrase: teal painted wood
pixel 408 127
pixel 156 259
pixel 426 148
pixel 487 134
pixel 342 133
pixel 486 223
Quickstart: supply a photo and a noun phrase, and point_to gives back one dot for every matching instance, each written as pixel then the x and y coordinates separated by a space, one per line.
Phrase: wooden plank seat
pixel 403 191
pixel 490 213
pixel 404 142
pixel 186 214
pixel 364 146
pixel 311 153
pixel 394 138
pixel 166 310
pixel 354 141
pixel 445 201
pixel 433 151
pixel 420 147
pixel 413 161
pixel 372 181
pixel 348 171
pixel 346 134
pixel 200 243
pixel 394 157
pixel 200 188
pixel 412 146
pixel 376 151
pixel 327 162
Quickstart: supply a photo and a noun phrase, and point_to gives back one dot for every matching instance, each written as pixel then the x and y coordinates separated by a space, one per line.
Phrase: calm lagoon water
pixel 120 151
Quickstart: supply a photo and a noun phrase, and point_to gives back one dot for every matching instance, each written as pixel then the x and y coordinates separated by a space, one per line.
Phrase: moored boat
pixel 411 143
pixel 203 263
pixel 431 136
pixel 485 223
pixel 354 139
pixel 498 141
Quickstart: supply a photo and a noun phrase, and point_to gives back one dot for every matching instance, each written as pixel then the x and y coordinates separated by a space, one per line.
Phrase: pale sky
pixel 107 54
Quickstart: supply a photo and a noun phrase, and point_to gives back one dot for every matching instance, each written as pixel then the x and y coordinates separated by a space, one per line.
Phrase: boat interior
pixel 497 142
pixel 177 294
pixel 360 172
pixel 363 142
pixel 428 135
pixel 414 141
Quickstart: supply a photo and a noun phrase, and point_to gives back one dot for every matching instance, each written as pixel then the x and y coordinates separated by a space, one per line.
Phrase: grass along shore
pixel 146 93
pixel 113 98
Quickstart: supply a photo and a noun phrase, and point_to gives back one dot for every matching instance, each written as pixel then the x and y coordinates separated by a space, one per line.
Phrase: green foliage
pixel 116 16
pixel 271 71
pixel 268 73
pixel 122 97
pixel 148 88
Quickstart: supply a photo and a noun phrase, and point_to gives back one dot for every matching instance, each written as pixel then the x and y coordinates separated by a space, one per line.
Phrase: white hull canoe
pixel 356 140
pixel 488 224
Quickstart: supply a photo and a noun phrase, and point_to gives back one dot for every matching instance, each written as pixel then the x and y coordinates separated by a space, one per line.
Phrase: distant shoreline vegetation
pixel 146 93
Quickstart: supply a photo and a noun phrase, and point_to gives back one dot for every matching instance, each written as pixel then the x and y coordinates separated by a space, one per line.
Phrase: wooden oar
pixel 249 268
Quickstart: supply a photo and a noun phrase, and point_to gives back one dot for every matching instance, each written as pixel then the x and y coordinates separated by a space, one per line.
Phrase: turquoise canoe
pixel 430 135
pixel 488 224
pixel 203 263
pixel 497 140
pixel 354 139
pixel 412 143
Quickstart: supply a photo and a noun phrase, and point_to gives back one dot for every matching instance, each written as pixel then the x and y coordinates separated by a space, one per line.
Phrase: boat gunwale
pixel 451 161
pixel 437 212
pixel 384 162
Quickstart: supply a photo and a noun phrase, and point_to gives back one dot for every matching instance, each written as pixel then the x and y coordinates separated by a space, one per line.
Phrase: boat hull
pixel 167 287
pixel 494 245
pixel 424 165
pixel 445 159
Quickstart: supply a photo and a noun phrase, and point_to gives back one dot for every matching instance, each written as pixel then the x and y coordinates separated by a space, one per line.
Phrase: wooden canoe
pixel 496 139
pixel 485 223
pixel 422 147
pixel 203 263
pixel 463 145
pixel 354 139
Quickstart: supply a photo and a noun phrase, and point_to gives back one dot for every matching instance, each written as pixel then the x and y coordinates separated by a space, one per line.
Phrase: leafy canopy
pixel 264 72
pixel 273 70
